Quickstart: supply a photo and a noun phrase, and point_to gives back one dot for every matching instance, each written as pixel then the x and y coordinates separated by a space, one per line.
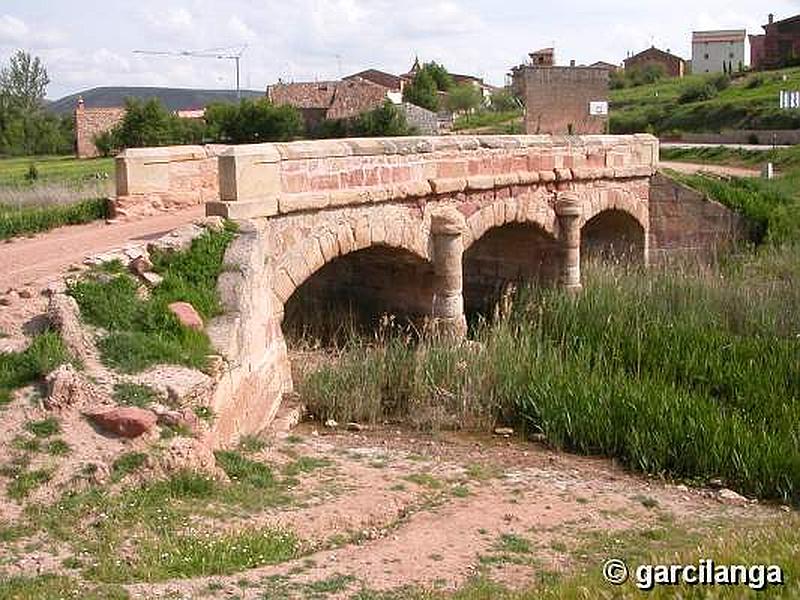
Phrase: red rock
pixel 187 315
pixel 126 421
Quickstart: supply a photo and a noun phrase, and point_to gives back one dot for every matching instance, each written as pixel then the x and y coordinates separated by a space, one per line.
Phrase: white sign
pixel 598 109
pixel 789 99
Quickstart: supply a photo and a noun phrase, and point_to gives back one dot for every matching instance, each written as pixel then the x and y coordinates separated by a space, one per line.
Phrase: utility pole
pixel 233 53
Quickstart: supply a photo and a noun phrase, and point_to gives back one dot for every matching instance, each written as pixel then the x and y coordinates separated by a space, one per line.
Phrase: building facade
pixel 778 46
pixel 558 99
pixel 674 66
pixel 719 51
pixel 91 122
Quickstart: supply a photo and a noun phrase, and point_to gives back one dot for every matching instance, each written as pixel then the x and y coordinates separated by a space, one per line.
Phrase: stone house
pixel 719 51
pixel 91 122
pixel 559 100
pixel 778 46
pixel 674 66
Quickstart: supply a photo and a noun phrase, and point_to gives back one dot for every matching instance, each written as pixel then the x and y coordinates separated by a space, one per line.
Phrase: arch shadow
pixel 613 235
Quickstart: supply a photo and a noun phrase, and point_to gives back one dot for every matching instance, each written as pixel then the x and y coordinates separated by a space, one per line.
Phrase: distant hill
pixel 172 98
pixel 689 105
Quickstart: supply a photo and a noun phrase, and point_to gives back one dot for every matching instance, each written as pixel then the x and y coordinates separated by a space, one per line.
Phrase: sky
pixel 90 43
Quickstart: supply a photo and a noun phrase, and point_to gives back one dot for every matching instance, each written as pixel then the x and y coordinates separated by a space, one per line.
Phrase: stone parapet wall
pixel 170 178
pixel 264 180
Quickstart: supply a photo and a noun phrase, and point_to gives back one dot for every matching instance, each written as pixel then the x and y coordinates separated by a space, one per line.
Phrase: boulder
pixel 182 417
pixel 63 313
pixel 67 387
pixel 177 240
pixel 151 279
pixel 187 315
pixel 140 265
pixel 726 496
pixel 124 421
pixel 190 454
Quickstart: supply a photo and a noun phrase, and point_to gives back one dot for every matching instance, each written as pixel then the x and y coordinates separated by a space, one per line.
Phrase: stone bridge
pixel 423 227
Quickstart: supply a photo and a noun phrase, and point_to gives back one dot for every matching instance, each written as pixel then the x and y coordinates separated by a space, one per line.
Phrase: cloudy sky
pixel 88 43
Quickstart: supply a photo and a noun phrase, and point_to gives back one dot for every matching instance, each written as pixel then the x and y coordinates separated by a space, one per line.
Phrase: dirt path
pixel 31 261
pixel 692 168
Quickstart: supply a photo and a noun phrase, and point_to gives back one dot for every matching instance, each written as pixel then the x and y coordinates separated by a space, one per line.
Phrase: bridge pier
pixel 569 209
pixel 448 279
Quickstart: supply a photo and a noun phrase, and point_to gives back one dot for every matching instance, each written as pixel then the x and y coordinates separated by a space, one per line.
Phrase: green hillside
pixel 706 104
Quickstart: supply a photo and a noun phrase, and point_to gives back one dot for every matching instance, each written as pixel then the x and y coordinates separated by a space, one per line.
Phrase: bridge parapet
pixel 265 180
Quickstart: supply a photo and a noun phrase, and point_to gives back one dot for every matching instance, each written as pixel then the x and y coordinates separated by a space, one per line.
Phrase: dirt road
pixel 37 260
pixel 692 168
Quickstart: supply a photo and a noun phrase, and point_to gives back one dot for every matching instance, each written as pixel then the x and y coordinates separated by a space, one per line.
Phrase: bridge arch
pixel 615 228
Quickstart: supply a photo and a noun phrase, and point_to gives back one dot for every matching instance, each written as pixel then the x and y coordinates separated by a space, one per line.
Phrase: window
pixel 705 56
pixel 730 55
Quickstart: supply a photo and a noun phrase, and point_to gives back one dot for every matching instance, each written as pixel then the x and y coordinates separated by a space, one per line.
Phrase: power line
pixel 233 53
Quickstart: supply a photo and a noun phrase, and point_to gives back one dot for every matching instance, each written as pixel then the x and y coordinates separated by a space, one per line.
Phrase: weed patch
pixel 144 332
pixel 18 369
pixel 134 394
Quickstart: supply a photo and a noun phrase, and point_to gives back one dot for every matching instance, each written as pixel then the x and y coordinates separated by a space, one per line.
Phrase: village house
pixel 561 100
pixel 321 100
pixel 778 46
pixel 720 51
pixel 674 66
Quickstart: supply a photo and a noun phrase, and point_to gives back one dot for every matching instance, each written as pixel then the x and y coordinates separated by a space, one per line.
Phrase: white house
pixel 718 51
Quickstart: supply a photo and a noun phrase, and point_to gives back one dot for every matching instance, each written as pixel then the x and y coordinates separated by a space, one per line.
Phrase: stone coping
pixel 306 149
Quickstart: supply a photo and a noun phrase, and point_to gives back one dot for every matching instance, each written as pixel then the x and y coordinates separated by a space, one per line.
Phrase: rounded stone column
pixel 569 210
pixel 448 281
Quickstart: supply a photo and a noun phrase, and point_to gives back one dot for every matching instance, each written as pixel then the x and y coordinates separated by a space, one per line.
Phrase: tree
pixel 464 98
pixel 422 91
pixel 503 101
pixel 24 81
pixel 146 123
pixel 253 121
pixel 442 78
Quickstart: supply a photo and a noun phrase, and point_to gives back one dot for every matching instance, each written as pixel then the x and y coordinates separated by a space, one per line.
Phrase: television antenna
pixel 233 53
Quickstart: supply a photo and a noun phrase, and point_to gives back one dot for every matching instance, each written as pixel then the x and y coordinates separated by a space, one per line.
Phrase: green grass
pixel 749 102
pixel 134 394
pixel 54 169
pixel 126 464
pixel 18 369
pixel 44 428
pixel 158 525
pixel 305 464
pixel 690 375
pixel 58 448
pixel 22 480
pixel 57 586
pixel 22 220
pixel 142 333
pixel 486 119
pixel 244 470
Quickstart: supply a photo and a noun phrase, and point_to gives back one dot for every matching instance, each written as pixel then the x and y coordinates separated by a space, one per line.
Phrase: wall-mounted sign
pixel 789 99
pixel 598 108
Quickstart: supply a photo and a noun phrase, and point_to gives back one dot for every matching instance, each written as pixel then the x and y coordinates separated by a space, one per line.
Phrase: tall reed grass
pixel 692 374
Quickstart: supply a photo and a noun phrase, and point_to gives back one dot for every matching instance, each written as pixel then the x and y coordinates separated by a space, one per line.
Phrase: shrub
pixel 697 91
pixel 384 121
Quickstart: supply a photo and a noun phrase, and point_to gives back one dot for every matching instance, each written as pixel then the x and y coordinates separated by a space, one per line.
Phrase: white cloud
pixel 12 30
